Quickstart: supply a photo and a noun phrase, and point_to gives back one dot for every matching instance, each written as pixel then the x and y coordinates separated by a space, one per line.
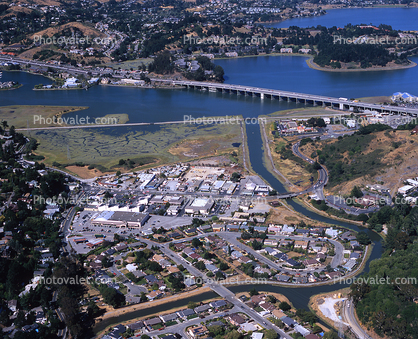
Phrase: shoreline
pixel 314 306
pixel 314 66
pixel 325 8
pixel 11 88
pixel 263 55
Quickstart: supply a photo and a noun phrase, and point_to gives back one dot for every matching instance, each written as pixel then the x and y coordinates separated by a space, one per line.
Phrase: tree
pixel 4 124
pixel 93 310
pixel 143 297
pixel 316 166
pixel 20 320
pixel 219 275
pixel 112 297
pixel 330 335
pixel 359 291
pixel 256 245
pixel 154 266
pixel 272 299
pixel 219 73
pixel 192 305
pixel 223 266
pixel 284 306
pixel 200 265
pixel 235 177
pixel 162 63
pixel 356 192
pixel 270 334
pixel 316 329
pixel 196 243
pixel 253 292
pixel 401 241
pixel 306 316
pixel 363 238
pixel 245 235
pixel 106 262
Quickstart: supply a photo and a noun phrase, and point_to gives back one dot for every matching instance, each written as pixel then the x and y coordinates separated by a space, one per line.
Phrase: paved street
pixel 349 317
pixel 219 289
pixel 181 327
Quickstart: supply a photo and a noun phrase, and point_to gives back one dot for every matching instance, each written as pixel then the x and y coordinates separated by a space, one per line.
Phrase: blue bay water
pixel 280 72
pixel 399 18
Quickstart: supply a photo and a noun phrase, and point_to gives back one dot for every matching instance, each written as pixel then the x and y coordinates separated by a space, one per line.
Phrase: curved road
pixel 350 318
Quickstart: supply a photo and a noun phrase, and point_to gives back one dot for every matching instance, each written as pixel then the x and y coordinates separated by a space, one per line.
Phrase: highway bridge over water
pixel 343 104
pixel 310 99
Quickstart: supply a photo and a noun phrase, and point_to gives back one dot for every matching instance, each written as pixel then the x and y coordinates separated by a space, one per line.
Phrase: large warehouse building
pixel 120 219
pixel 200 206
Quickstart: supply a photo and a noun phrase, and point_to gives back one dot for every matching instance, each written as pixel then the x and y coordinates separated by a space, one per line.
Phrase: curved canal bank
pixel 299 296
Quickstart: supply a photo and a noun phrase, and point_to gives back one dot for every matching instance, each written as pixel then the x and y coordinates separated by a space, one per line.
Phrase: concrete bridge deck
pixel 315 100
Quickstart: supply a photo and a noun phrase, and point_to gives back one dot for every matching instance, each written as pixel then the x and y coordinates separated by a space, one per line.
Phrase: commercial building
pixel 200 206
pixel 120 219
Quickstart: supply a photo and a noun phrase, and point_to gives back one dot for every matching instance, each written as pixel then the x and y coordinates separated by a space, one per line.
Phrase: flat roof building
pixel 121 219
pixel 200 206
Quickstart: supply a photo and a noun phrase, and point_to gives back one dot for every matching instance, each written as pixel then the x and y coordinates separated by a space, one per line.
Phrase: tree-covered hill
pixel 390 307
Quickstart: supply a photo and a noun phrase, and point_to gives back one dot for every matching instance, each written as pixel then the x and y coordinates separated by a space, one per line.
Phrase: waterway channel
pixel 287 73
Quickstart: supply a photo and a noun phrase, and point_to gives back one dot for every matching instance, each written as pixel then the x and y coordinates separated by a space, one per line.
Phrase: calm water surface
pixel 399 18
pixel 283 72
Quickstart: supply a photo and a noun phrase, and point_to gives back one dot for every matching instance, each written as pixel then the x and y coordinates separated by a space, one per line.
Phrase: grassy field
pixel 150 144
pixel 304 112
pixel 130 63
pixel 20 116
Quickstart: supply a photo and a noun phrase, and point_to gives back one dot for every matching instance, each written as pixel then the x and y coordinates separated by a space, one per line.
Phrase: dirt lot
pixel 203 172
pixel 281 215
pixel 84 172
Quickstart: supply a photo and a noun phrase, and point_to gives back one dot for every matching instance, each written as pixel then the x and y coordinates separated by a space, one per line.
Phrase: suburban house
pixel 197 331
pixel 236 320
